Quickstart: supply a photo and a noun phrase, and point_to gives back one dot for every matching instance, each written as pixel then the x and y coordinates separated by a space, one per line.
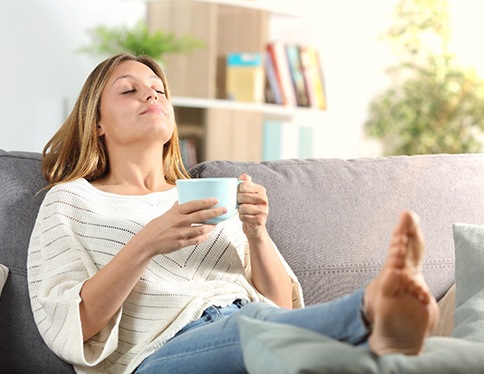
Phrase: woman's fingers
pixel 198 211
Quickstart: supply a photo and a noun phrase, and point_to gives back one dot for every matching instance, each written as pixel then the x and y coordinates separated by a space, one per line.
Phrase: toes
pixel 416 290
pixel 408 234
pixel 397 254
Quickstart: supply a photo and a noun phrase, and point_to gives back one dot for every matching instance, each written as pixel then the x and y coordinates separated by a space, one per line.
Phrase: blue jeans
pixel 211 344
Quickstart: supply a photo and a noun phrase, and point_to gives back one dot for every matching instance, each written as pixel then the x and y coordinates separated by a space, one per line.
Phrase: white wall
pixel 42 72
pixel 41 69
pixel 347 34
pixel 355 58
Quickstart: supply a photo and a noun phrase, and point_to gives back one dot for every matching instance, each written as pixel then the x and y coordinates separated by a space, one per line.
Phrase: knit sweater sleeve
pixel 58 266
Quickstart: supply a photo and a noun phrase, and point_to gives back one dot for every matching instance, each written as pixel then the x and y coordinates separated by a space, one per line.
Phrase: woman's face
pixel 134 108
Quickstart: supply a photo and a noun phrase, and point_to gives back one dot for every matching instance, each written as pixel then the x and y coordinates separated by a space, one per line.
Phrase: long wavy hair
pixel 76 151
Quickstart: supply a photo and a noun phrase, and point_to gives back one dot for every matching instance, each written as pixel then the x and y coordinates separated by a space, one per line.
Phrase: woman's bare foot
pixel 401 309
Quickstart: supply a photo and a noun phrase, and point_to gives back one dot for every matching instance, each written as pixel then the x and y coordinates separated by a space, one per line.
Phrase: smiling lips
pixel 156 109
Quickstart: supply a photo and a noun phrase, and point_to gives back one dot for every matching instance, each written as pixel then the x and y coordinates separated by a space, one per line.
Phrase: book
pixel 188 150
pixel 283 139
pixel 273 89
pixel 277 51
pixel 271 139
pixel 245 77
pixel 297 75
pixel 313 75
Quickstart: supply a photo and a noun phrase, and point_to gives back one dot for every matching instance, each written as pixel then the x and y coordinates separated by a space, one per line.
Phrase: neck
pixel 135 171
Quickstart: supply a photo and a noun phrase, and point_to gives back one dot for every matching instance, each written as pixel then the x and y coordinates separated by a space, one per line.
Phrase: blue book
pixel 271 140
pixel 297 75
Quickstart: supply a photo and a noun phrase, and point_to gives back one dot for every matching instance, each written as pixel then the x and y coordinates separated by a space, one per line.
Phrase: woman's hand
pixel 104 293
pixel 253 207
pixel 180 226
pixel 269 275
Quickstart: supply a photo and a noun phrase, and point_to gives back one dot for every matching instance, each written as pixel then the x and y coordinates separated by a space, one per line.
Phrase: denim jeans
pixel 211 344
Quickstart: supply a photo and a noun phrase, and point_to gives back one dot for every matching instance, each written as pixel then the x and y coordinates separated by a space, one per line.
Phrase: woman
pixel 121 280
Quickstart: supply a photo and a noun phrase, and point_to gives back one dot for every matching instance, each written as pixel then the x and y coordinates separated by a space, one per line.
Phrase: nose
pixel 152 95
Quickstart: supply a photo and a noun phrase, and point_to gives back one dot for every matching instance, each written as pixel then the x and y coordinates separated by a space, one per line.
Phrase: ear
pixel 100 130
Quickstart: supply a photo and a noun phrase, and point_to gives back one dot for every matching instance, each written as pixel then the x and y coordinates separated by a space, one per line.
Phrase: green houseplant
pixel 435 105
pixel 138 40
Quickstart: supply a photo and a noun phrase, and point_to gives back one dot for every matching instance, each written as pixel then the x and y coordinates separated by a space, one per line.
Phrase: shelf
pixel 275 8
pixel 268 109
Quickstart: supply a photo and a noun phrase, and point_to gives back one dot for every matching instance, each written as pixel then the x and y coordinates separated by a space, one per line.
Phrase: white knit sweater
pixel 80 228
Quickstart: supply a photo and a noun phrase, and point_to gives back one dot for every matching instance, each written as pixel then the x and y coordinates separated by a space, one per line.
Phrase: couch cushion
pixel 22 349
pixel 20 181
pixel 283 349
pixel 445 326
pixel 469 273
pixel 3 277
pixel 332 218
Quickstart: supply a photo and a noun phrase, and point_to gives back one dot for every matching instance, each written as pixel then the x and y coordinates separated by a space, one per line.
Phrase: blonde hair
pixel 76 151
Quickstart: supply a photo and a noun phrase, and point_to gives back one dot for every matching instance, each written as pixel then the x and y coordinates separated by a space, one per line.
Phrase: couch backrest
pixel 22 349
pixel 332 218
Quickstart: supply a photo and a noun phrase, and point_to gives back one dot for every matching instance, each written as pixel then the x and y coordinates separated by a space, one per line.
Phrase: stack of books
pixel 284 74
pixel 286 140
pixel 188 149
pixel 294 76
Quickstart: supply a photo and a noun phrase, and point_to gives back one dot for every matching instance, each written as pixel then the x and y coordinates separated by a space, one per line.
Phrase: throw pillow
pixel 469 275
pixel 280 348
pixel 3 276
pixel 445 326
pixel 283 349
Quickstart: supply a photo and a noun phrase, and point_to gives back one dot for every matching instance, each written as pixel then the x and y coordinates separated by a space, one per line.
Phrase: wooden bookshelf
pixel 222 28
pixel 222 129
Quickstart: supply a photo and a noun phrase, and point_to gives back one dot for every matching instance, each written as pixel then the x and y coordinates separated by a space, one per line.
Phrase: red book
pixel 277 51
pixel 274 94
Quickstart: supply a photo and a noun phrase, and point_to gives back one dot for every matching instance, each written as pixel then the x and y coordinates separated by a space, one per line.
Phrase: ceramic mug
pixel 223 189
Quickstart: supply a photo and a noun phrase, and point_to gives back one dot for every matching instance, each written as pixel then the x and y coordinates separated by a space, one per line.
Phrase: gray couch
pixel 331 219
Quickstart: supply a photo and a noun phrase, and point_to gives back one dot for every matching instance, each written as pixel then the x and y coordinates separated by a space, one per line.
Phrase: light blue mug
pixel 223 189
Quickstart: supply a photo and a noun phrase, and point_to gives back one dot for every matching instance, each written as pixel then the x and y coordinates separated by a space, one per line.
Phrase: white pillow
pixel 276 348
pixel 469 282
pixel 3 276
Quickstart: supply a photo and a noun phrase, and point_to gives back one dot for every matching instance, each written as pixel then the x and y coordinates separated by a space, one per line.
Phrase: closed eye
pixel 128 91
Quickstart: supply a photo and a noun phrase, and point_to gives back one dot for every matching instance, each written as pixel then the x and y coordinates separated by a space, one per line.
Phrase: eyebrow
pixel 154 76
